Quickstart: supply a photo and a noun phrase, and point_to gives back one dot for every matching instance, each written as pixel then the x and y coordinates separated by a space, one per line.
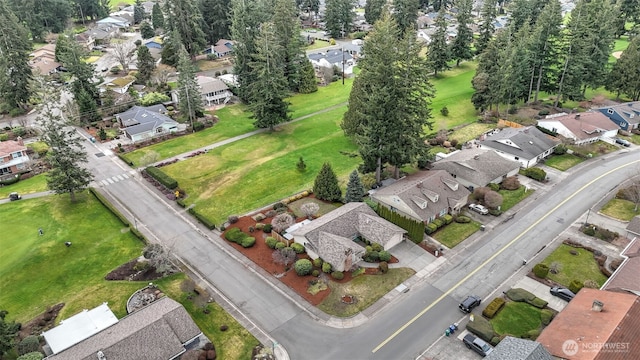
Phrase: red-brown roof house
pixel 595 325
pixel 13 158
pixel 583 128
pixel 626 277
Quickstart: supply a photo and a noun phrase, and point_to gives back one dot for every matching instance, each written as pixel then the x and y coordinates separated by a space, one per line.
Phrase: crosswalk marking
pixel 116 178
pixel 119 177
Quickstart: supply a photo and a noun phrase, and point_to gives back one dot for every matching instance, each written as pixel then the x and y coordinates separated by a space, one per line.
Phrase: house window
pixel 159 130
pixel 610 111
pixel 16 155
pixel 5 171
pixel 20 166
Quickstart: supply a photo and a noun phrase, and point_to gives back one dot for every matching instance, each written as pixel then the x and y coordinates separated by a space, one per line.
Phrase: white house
pixel 213 91
pixel 582 128
pixel 142 123
pixel 528 145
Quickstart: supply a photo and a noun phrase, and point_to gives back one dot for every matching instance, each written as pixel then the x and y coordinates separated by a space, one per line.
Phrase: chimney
pixel 19 140
pixel 597 306
pixel 419 185
pixel 476 157
pixel 577 116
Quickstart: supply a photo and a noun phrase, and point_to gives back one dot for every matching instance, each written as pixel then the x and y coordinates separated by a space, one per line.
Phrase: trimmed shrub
pixel 448 219
pixel 463 219
pixel 36 355
pixel 280 245
pixel 494 306
pixel 267 228
pixel 139 235
pixel 303 267
pixel 126 161
pixel 326 268
pixel 271 242
pixel 541 270
pixel 575 286
pixel 537 302
pixel 371 256
pixel 384 267
pixel 561 149
pixel 247 241
pixel 535 173
pixel 430 228
pixel 317 262
pixel 234 235
pixel 232 219
pixel 181 203
pixel 494 187
pixel 279 205
pixel 546 316
pixel 481 327
pixel 28 344
pixel 315 273
pixel 533 334
pixel 519 295
pixel 495 212
pixel 438 222
pixel 376 247
pixel 298 248
pixel 510 183
pixel 591 284
pixel 384 256
pixel 202 219
pixel 589 230
pixel 162 178
pixel 338 275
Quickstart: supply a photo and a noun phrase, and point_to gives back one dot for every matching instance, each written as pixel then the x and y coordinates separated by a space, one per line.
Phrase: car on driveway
pixel 479 209
pixel 14 196
pixel 623 142
pixel 476 344
pixel 562 293
pixel 469 303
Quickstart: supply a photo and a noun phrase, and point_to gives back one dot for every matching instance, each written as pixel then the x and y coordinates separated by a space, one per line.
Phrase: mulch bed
pixel 126 271
pixel 40 323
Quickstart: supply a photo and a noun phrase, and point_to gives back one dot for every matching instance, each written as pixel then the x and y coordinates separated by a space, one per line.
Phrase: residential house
pixel 633 228
pixel 476 167
pixel 338 58
pixel 124 14
pixel 331 236
pixel 13 158
pixel 85 39
pixel 153 43
pixel 528 145
pixel 142 123
pixel 117 21
pixel 423 196
pixel 43 60
pixel 213 91
pixel 625 278
pixel 354 48
pixel 596 325
pixel 582 128
pixel 222 48
pixel 624 115
pixel 161 330
pixel 519 349
pixel 121 84
pixel 99 35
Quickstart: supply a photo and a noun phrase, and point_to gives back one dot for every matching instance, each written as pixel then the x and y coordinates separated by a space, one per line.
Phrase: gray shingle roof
pixel 629 111
pixel 526 142
pixel 519 349
pixel 476 165
pixel 143 119
pixel 634 225
pixel 157 331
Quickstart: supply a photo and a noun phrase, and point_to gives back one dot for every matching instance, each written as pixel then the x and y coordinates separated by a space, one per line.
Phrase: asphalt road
pixel 415 319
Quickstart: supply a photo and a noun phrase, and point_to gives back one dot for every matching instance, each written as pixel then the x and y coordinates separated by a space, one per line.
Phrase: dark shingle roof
pixel 143 119
pixel 476 165
pixel 634 225
pixel 519 349
pixel 629 111
pixel 526 142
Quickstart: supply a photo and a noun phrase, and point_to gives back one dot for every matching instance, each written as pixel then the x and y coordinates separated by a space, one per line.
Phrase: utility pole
pixel 186 91
pixel 342 65
pixel 82 16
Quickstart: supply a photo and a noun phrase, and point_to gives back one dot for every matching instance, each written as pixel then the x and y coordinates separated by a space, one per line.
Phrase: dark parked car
pixel 14 196
pixel 623 142
pixel 562 293
pixel 469 303
pixel 476 344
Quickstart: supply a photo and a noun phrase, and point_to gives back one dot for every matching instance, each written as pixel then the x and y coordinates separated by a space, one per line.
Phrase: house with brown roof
pixel 331 236
pixel 159 331
pixel 423 196
pixel 583 128
pixel 213 91
pixel 596 325
pixel 43 60
pixel 476 167
pixel 13 158
pixel 626 278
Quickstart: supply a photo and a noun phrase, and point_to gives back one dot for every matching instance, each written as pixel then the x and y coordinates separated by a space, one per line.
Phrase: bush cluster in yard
pixel 600 233
pixel 575 286
pixel 271 242
pixel 303 267
pixel 541 270
pixel 338 275
pixel 463 219
pixel 237 236
pixel 510 183
pixel 161 177
pixel 535 173
pixel 492 309
pixel 482 328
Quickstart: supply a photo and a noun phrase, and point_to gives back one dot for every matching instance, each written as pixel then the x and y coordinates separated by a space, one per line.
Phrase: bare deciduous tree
pixel 162 73
pixel 632 193
pixel 282 221
pixel 159 258
pixel 285 256
pixel 310 209
pixel 123 53
pixel 492 199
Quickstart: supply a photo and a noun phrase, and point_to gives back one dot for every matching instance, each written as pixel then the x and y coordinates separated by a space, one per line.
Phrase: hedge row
pixel 237 236
pixel 202 219
pixel 415 229
pixel 139 235
pixel 162 178
pixel 494 306
pixel 481 327
pixel 535 173
pixel 108 205
pixel 126 161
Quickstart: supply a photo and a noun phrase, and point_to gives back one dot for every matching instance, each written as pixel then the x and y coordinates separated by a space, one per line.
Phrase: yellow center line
pixel 495 255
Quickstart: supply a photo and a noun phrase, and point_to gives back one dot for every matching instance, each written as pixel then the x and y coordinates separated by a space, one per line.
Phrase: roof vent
pixel 101 355
pixel 597 305
pixel 577 116
pixel 476 157
pixel 530 142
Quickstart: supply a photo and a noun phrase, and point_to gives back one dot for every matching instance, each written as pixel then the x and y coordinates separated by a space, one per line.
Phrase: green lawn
pixel 326 96
pixel 580 267
pixel 453 90
pixel 259 170
pixel 366 288
pixel 516 319
pixel 470 132
pixel 115 3
pixel 511 197
pixel 620 209
pixel 563 162
pixel 323 206
pixel 454 233
pixel 318 44
pixel 31 185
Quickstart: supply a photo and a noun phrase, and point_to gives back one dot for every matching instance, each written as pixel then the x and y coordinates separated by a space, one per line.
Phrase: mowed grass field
pixel 31 185
pixel 453 90
pixel 259 170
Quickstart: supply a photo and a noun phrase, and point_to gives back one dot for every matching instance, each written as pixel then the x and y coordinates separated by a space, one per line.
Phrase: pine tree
pixel 438 54
pixel 487 82
pixel 245 26
pixel 544 48
pixel 42 16
pixel 138 12
pixel 157 17
pixel 190 101
pixel 486 28
pixel 287 32
pixel 355 191
pixel 15 72
pixel 625 75
pixel 461 46
pixel 146 30
pixel 326 185
pixel 268 91
pixel 146 65
pixel 339 17
pixel 216 21
pixel 516 68
pixel 65 156
pixel 521 12
pixel 185 18
pixel 170 49
pixel 373 10
pixel 308 82
pixel 406 14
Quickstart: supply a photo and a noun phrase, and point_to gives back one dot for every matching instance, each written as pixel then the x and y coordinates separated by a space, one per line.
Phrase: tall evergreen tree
pixel 406 14
pixel 287 31
pixel 93 9
pixel 138 12
pixel 157 17
pixel 625 75
pixel 170 49
pixel 486 28
pixel 184 17
pixel 488 79
pixel 190 101
pixel 438 54
pixel 339 17
pixel 268 91
pixel 355 191
pixel 373 10
pixel 216 21
pixel 520 14
pixel 65 156
pixel 15 47
pixel 42 16
pixel 543 49
pixel 326 187
pixel 146 65
pixel 146 30
pixel 308 82
pixel 516 68
pixel 461 46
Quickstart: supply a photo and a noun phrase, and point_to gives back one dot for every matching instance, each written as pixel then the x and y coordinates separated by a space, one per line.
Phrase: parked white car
pixel 479 209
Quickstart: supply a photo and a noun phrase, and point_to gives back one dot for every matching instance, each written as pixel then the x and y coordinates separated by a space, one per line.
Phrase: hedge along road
pixel 498 253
